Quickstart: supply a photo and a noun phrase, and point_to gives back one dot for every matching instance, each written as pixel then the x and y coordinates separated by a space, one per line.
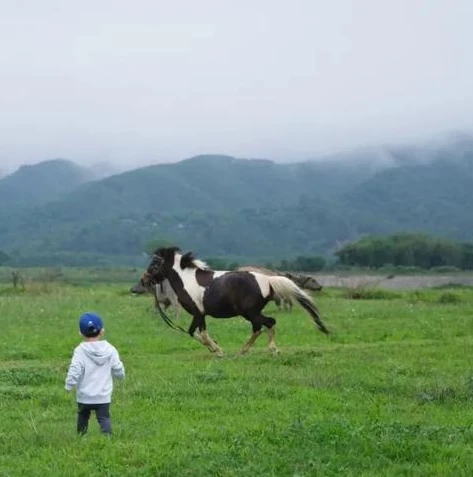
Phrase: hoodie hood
pixel 98 351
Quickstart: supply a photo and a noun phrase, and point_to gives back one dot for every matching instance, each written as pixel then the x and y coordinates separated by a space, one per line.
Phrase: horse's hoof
pixel 217 352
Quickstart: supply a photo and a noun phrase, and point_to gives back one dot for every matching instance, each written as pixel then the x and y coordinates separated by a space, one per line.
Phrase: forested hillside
pixel 224 206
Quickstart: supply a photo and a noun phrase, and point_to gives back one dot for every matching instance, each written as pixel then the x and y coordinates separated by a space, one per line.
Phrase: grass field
pixel 389 393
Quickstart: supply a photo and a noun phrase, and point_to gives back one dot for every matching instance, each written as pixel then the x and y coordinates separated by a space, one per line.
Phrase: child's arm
pixel 118 370
pixel 74 372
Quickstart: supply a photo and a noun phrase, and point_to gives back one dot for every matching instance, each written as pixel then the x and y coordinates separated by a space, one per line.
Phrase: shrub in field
pixel 452 285
pixel 449 297
pixel 7 291
pixel 51 275
pixel 369 293
pixel 417 296
pixel 42 288
pixel 445 269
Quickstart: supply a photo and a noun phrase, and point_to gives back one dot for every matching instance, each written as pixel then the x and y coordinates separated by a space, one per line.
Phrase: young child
pixel 93 364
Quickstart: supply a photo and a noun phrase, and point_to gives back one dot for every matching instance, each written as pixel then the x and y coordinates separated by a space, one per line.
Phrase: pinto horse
pixel 224 294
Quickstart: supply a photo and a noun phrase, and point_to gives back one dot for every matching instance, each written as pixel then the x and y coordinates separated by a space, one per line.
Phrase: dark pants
pixel 102 413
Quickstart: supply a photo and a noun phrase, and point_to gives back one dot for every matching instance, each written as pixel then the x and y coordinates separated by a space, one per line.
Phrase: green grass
pixel 389 393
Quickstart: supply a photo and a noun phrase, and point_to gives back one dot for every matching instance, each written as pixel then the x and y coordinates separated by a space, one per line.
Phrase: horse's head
pixel 139 288
pixel 161 263
pixel 154 273
pixel 311 283
pixel 305 281
pixel 147 281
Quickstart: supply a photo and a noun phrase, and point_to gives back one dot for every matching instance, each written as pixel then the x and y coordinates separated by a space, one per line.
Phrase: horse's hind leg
pixel 250 342
pixel 257 323
pixel 270 323
pixel 277 299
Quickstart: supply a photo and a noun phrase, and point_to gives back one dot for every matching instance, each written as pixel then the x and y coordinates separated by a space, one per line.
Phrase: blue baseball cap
pixel 90 324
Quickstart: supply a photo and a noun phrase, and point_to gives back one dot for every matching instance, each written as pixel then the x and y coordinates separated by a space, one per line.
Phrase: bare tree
pixel 18 280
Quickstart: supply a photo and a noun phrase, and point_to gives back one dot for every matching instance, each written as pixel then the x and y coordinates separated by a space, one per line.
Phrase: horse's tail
pixel 287 289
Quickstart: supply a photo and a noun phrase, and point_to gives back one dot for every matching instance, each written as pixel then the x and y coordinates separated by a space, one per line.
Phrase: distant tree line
pixel 304 263
pixel 400 250
pixel 413 250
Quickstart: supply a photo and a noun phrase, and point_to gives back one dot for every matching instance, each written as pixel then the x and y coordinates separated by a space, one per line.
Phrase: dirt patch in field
pixel 396 282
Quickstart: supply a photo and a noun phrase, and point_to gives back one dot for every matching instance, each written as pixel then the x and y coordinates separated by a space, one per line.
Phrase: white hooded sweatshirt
pixel 92 366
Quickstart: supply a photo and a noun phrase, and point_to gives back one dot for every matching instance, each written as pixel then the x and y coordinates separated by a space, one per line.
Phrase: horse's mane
pixel 189 261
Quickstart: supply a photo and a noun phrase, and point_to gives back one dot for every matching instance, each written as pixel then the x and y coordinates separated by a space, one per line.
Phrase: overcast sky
pixel 148 81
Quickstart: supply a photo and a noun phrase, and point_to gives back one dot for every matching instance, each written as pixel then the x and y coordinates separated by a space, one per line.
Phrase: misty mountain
pixel 247 208
pixel 214 184
pixel 34 185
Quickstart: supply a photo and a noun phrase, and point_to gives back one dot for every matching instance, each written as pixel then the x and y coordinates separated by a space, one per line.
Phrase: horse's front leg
pixel 198 321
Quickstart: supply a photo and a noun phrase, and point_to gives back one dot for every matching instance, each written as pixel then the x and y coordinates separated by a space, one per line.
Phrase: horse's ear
pixel 187 260
pixel 160 252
